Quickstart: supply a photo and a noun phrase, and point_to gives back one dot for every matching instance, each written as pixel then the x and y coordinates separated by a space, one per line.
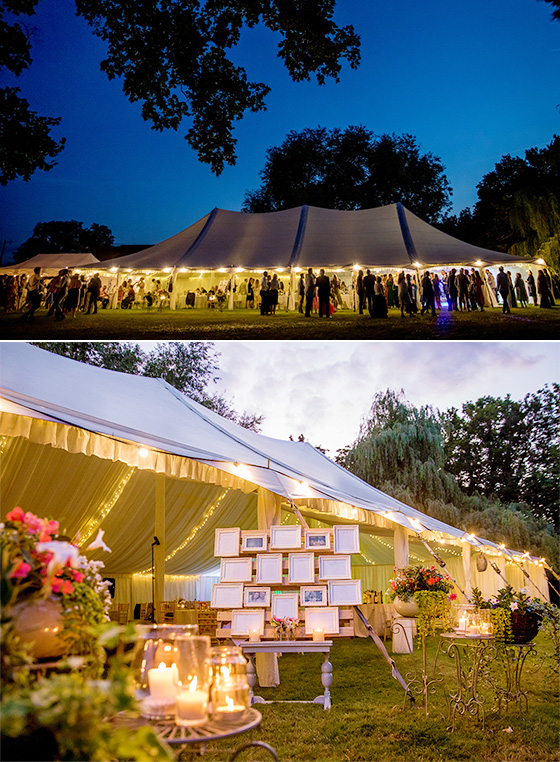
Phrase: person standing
pixel 532 287
pixel 463 290
pixel 479 289
pixel 428 301
pixel 452 290
pixel 71 305
pixel 309 291
pixel 264 294
pixel 273 288
pixel 60 294
pixel 324 293
pixel 369 288
pixel 301 292
pixel 502 284
pixel 402 293
pixel 520 290
pixel 360 290
pixel 94 288
pixel 544 290
pixel 34 293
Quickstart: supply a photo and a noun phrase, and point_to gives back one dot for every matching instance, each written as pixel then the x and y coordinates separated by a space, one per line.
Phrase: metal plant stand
pixel 471 654
pixel 423 685
pixel 512 657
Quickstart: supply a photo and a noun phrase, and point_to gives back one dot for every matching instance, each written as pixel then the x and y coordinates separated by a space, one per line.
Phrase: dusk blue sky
pixel 472 81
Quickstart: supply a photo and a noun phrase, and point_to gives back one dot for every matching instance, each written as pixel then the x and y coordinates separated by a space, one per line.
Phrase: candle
pixel 191 706
pixel 318 634
pixel 230 710
pixel 230 698
pixel 254 636
pixel 462 624
pixel 162 682
pixel 474 629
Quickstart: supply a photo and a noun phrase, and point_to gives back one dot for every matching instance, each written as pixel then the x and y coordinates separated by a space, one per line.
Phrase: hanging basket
pixel 524 627
pixel 481 563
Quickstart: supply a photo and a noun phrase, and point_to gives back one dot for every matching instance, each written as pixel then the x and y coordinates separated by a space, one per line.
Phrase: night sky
pixel 472 81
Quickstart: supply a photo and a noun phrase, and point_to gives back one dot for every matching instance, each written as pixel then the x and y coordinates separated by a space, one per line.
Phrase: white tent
pixel 51 263
pixel 95 448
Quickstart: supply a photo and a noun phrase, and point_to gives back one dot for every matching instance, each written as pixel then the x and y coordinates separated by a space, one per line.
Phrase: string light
pixel 3 443
pixel 94 524
pixel 197 528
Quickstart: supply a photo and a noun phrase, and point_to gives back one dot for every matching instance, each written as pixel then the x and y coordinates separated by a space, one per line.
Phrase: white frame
pixel 245 621
pixel 254 535
pixel 227 595
pixel 301 568
pixel 346 538
pixel 285 537
pixel 272 574
pixel 262 591
pixel 243 569
pixel 226 542
pixel 284 605
pixel 305 589
pixel 325 618
pixel 335 567
pixel 345 592
pixel 324 533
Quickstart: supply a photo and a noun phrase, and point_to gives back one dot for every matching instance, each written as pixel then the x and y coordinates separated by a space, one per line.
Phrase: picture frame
pixel 236 570
pixel 346 538
pixel 226 542
pixel 324 618
pixel 284 605
pixel 301 568
pixel 285 537
pixel 313 595
pixel 256 597
pixel 317 539
pixel 253 541
pixel 245 621
pixel 269 569
pixel 344 592
pixel 335 567
pixel 227 595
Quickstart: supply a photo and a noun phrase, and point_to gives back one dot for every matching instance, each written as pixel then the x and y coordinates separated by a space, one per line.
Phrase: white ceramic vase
pixel 406 608
pixel 39 622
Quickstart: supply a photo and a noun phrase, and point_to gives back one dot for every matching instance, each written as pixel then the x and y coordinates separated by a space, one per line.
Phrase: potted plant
pixel 516 616
pixel 409 581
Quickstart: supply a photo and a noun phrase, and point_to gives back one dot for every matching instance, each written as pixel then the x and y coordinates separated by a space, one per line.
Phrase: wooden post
pixel 159 550
pixel 400 542
pixel 467 555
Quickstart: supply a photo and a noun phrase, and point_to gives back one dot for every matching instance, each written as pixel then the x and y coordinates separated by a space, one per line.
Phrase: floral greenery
pixel 434 611
pixel 37 563
pixel 285 626
pixel 412 579
pixel 68 709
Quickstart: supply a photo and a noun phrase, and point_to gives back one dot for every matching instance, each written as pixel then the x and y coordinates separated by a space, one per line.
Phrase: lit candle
pixel 462 624
pixel 474 629
pixel 191 706
pixel 162 682
pixel 254 636
pixel 318 634
pixel 230 710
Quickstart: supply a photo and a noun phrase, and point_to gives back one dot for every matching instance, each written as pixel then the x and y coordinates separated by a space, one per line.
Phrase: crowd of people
pixel 67 293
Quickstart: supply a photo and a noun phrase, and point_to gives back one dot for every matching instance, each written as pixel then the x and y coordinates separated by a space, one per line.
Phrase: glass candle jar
pixel 230 689
pixel 155 663
pixel 193 680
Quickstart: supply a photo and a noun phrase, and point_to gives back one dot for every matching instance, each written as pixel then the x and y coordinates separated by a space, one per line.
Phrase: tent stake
pixel 378 642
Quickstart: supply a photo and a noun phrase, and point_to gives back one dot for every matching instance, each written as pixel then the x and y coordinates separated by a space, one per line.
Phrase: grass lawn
pixel 528 323
pixel 368 722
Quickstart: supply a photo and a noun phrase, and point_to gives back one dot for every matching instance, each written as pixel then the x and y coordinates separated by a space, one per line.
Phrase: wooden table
pixel 290 647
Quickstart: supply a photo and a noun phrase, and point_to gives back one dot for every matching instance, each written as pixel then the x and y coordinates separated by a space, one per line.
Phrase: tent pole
pixel 230 295
pixel 443 565
pixel 173 281
pixel 528 578
pixel 159 549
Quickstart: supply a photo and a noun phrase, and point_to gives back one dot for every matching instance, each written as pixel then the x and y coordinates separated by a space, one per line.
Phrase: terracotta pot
pixel 406 608
pixel 39 622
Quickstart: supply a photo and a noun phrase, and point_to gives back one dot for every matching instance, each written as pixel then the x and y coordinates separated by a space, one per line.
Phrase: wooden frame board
pixel 301 568
pixel 345 592
pixel 246 621
pixel 226 541
pixel 317 539
pixel 269 569
pixel 285 537
pixel 335 567
pixel 313 595
pixel 236 570
pixel 254 541
pixel 256 597
pixel 227 596
pixel 346 538
pixel 325 618
pixel 284 605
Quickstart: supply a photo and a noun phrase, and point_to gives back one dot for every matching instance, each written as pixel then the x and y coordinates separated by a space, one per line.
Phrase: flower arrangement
pixel 285 627
pixel 413 579
pixel 40 564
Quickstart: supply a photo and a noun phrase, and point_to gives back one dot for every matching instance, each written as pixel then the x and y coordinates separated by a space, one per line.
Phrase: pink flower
pixel 452 596
pixel 79 577
pixel 21 570
pixel 15 515
pixel 67 587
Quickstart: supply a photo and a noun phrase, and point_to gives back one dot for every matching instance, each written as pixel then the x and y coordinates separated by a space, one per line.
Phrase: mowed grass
pixel 528 323
pixel 369 719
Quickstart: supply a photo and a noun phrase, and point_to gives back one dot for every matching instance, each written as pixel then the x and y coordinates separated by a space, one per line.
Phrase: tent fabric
pixel 72 437
pixel 53 262
pixel 389 236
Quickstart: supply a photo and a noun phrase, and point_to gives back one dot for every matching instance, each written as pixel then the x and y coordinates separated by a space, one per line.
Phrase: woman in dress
pixel 512 300
pixel 479 290
pixel 250 303
pixel 520 290
pixel 436 283
pixel 273 294
pixel 73 296
pixel 544 290
pixel 379 299
pixel 532 287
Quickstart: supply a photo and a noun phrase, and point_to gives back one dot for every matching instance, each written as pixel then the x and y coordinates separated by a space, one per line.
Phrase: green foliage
pixel 412 579
pixel 350 169
pixel 501 620
pixel 64 236
pixel 189 366
pixel 434 612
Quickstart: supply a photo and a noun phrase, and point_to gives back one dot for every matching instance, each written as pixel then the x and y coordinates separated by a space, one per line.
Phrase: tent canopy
pixel 307 236
pixel 53 262
pixel 87 446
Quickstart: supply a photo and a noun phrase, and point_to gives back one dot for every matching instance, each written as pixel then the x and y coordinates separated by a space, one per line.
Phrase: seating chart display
pixel 287 574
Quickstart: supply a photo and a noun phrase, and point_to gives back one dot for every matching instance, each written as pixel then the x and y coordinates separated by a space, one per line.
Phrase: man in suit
pixel 309 291
pixel 502 284
pixel 324 293
pixel 369 288
pixel 428 301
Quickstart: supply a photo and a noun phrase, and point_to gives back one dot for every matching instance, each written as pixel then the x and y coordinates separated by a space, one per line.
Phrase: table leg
pixel 252 679
pixel 326 679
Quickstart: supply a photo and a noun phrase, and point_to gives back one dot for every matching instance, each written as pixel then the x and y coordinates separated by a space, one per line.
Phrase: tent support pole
pixel 443 565
pixel 528 578
pixel 379 643
pixel 159 550
pixel 373 635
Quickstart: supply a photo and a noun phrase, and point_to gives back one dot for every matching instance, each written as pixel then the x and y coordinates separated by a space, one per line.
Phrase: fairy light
pixel 94 524
pixel 3 444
